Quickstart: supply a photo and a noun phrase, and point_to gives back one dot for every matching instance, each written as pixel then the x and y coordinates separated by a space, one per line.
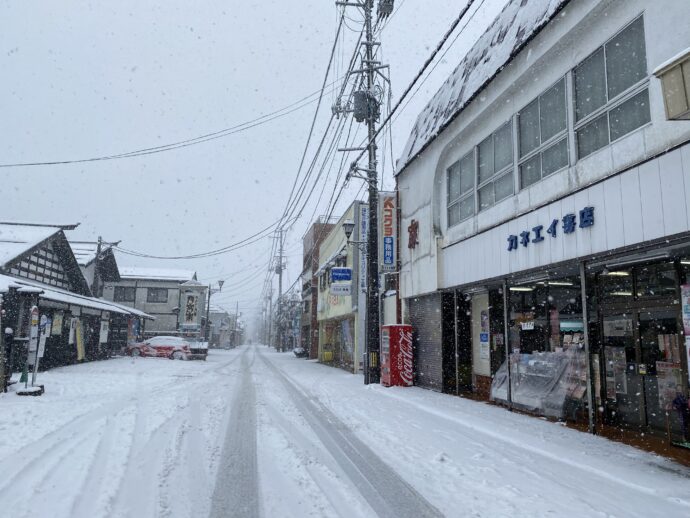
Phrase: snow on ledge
pixel 519 21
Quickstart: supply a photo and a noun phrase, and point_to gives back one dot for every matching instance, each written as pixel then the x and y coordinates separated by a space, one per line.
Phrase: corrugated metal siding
pixel 425 317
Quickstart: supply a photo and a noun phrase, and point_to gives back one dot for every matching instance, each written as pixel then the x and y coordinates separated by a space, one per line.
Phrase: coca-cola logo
pixel 406 373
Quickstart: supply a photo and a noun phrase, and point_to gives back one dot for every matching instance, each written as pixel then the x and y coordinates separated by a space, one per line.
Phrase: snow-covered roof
pixel 130 310
pixel 158 274
pixel 85 251
pixel 519 21
pixel 66 297
pixel 16 239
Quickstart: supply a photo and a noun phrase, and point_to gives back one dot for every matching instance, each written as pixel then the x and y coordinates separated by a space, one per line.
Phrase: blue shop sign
pixel 567 224
pixel 341 274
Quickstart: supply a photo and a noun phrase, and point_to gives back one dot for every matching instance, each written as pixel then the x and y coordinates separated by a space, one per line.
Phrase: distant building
pixel 341 307
pixel 96 273
pixel 174 297
pixel 38 268
pixel 311 243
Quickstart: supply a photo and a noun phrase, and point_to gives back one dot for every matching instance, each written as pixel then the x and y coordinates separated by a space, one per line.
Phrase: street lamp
pixel 348 227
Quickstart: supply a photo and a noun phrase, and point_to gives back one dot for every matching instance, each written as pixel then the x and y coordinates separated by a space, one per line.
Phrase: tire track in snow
pixel 327 488
pixel 385 491
pixel 236 492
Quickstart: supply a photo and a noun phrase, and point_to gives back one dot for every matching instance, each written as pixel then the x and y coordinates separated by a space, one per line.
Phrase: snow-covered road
pixel 252 432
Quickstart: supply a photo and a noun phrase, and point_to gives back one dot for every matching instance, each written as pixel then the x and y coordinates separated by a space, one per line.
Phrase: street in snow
pixel 154 437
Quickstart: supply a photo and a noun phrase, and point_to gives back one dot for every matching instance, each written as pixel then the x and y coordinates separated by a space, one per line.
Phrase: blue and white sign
pixel 388 231
pixel 568 224
pixel 341 274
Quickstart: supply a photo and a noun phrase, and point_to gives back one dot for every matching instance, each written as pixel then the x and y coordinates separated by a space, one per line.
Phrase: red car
pixel 172 347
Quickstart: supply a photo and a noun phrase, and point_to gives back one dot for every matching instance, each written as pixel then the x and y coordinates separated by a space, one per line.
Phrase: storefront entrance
pixel 642 346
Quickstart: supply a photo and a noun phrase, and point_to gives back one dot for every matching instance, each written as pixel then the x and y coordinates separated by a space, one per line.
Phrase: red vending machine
pixel 396 356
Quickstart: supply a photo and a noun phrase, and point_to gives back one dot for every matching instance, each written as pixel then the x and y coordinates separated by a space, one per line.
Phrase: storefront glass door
pixel 660 355
pixel 642 360
pixel 623 383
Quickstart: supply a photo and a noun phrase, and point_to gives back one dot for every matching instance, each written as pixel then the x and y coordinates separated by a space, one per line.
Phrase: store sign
pixel 341 274
pixel 528 326
pixel 341 288
pixel 484 349
pixel 388 231
pixel 363 226
pixel 568 224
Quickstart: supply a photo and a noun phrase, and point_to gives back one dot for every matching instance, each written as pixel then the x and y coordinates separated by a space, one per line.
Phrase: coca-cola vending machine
pixel 396 356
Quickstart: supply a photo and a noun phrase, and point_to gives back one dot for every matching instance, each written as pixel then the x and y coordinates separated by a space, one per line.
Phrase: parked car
pixel 300 352
pixel 172 347
pixel 197 350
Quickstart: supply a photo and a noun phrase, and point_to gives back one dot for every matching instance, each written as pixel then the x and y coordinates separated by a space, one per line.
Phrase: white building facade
pixel 545 201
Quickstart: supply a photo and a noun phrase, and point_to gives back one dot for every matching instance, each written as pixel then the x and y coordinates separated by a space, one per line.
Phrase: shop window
pixel 685 268
pixel 616 284
pixel 461 190
pixel 157 295
pixel 609 101
pixel 124 294
pixel 542 128
pixel 495 172
pixel 658 280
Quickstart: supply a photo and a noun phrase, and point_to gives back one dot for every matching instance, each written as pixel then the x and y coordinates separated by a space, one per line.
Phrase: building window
pixel 495 171
pixel 461 190
pixel 157 295
pixel 609 101
pixel 543 126
pixel 124 294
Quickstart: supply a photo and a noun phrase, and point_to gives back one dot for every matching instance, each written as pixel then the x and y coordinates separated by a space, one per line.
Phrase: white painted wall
pixel 645 203
pixel 581 28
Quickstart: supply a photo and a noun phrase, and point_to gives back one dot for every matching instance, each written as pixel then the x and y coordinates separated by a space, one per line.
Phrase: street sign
pixel 341 274
pixel 341 288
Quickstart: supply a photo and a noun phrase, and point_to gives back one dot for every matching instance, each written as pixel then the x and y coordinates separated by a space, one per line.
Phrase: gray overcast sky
pixel 83 79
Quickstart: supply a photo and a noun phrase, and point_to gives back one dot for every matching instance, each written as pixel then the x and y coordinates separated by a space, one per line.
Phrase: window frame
pixel 126 289
pixel 497 174
pixel 611 103
pixel 462 196
pixel 546 145
pixel 149 298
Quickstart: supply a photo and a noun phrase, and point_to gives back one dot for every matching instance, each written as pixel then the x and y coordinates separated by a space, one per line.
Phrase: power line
pixel 419 74
pixel 238 128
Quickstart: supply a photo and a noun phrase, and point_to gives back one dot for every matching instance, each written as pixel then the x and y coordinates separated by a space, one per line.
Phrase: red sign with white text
pixel 397 367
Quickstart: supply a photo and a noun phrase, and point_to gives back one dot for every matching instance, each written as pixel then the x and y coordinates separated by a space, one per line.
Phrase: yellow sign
pixel 79 334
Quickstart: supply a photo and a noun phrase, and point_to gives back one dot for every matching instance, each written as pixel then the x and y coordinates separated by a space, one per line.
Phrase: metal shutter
pixel 425 317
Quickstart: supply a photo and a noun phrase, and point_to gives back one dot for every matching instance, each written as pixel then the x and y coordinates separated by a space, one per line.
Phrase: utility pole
pixel 270 313
pixel 279 271
pixel 237 316
pixel 95 287
pixel 367 108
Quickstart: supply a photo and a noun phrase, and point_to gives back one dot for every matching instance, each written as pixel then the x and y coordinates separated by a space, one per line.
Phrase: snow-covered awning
pixel 65 297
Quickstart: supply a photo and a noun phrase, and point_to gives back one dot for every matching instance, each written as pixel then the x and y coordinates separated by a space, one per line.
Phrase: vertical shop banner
pixel 56 328
pixel 72 330
pixel 33 330
pixel 190 310
pixel 79 339
pixel 388 231
pixel 363 236
pixel 45 328
pixel 103 335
